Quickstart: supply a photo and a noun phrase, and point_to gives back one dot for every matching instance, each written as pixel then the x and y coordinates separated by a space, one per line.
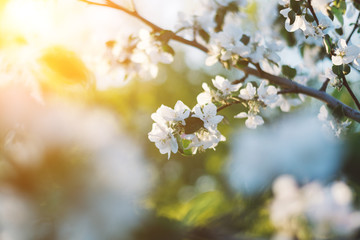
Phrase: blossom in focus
pixel 345 54
pixel 267 94
pixel 206 96
pixel 208 113
pixel 225 85
pixel 163 138
pixel 248 93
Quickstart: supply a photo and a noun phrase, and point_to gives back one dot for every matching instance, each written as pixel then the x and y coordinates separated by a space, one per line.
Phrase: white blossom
pixel 299 23
pixel 206 96
pixel 225 85
pixel 335 81
pixel 267 94
pixel 252 120
pixel 207 113
pixel 166 114
pixel 330 123
pixel 227 2
pixel 321 5
pixel 248 93
pixel 206 139
pixel 285 104
pixel 163 138
pixel 326 210
pixel 345 54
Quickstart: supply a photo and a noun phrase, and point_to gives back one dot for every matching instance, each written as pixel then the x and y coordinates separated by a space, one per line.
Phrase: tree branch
pixel 228 105
pixel 346 84
pixel 155 27
pixel 282 82
pixel 324 85
pixel 355 27
pixel 313 12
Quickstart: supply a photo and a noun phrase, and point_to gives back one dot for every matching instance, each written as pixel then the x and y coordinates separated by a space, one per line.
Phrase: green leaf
pixel 338 70
pixel 204 35
pixel 245 39
pixel 184 147
pixel 288 71
pixel 339 31
pixel 327 43
pixel 295 6
pixel 233 7
pixel 309 18
pixel 193 124
pixel 241 63
pixel 219 18
pixel 338 14
pixel 168 49
pixel 292 16
pixel 330 14
pixel 338 112
pixel 347 69
pixel 356 4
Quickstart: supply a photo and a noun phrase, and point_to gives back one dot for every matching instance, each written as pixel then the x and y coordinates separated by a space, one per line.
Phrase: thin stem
pixel 276 80
pixel 346 84
pixel 241 80
pixel 156 28
pixel 324 85
pixel 355 27
pixel 228 105
pixel 313 12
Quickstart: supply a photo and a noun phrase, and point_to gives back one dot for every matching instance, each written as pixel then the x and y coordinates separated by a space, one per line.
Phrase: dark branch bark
pixel 313 12
pixel 324 85
pixel 346 84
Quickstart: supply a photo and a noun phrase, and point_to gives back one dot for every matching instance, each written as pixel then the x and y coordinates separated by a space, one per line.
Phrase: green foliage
pixel 338 10
pixel 327 43
pixel 288 71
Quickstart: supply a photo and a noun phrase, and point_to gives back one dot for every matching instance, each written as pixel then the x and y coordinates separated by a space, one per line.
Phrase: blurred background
pixel 75 159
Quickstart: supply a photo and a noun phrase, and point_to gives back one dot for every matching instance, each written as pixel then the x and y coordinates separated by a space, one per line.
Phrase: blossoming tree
pixel 283 180
pixel 319 24
pixel 326 28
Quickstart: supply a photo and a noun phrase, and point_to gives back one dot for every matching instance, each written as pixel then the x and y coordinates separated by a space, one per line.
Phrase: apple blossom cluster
pixel 232 47
pixel 298 14
pixel 326 211
pixel 140 55
pixel 189 131
pixel 342 57
pixel 332 124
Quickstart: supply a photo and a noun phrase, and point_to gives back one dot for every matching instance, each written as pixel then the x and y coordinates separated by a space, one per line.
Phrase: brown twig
pixel 346 84
pixel 313 12
pixel 324 85
pixel 355 27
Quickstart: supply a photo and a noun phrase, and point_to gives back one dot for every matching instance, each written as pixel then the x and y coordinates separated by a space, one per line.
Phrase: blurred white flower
pixel 327 211
pixel 330 123
pixel 295 145
pixel 97 172
pixel 252 120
